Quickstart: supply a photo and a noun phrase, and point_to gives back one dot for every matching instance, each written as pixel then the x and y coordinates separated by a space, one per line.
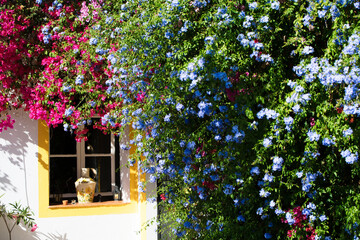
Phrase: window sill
pixel 90 205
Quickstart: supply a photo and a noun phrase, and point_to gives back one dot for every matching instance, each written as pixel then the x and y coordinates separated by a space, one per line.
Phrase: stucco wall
pixel 19 182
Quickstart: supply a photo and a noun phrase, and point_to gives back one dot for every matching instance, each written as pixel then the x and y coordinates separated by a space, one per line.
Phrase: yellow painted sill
pixel 89 205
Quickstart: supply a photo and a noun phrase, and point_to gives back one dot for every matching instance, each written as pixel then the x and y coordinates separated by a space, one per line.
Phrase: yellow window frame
pixel 136 204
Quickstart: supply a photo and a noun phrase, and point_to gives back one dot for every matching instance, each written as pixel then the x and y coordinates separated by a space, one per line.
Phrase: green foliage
pixel 16 215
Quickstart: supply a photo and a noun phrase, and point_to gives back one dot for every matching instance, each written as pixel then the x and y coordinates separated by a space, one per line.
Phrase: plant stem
pixel 7 227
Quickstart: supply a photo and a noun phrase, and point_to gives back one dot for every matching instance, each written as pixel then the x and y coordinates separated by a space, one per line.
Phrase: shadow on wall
pixel 13 143
pixel 50 236
pixel 23 233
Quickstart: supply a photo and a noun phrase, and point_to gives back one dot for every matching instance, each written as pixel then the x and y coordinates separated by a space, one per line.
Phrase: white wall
pixel 19 182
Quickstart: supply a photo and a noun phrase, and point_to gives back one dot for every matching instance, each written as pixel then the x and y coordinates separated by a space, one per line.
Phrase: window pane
pixel 103 169
pixel 61 142
pixel 62 175
pixel 97 142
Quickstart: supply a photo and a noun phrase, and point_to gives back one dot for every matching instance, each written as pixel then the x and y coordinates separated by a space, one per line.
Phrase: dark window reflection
pixel 102 165
pixel 62 142
pixel 62 175
pixel 98 142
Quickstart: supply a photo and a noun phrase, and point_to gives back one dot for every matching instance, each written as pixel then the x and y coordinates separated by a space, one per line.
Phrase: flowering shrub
pixel 245 113
pixel 17 215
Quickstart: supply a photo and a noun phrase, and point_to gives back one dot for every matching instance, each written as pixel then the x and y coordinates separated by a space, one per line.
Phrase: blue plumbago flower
pixel 47 38
pixel 299 89
pixel 270 114
pixel 279 211
pixel 137 112
pixel 312 218
pixel 334 11
pixel 179 106
pixel 152 178
pixel 221 11
pixel 345 153
pixel 288 122
pixel 112 59
pixel 322 218
pixel 228 189
pixel 222 76
pixel 275 5
pixel 79 80
pixel 221 227
pixel 306 20
pixel 266 58
pixel 277 163
pixel 299 174
pixel 357 5
pixel 247 23
pixel 66 88
pixel 267 142
pixel 68 112
pixel 168 34
pixel 328 142
pixel 292 84
pixel 167 118
pixel 311 206
pixel 209 40
pixel 289 218
pixel 297 108
pixel 313 136
pixel 169 54
pixel 93 41
pixel 188 224
pixel 350 158
pixel 264 19
pixel 38 1
pixel 253 5
pixel 187 152
pixel 209 224
pixel 229 138
pixel 351 109
pixel 321 13
pixel 268 177
pixel 267 236
pixel 307 50
pixel 272 204
pixel 205 108
pixel 182 143
pixel 305 98
pixel 263 193
pixel 351 92
pixel 223 108
pixel 306 211
pixel 255 171
pixel 138 138
pixel 241 218
pixel 217 138
pixel 306 183
pixel 214 177
pixel 191 145
pixel 109 20
pixel 259 211
pixel 347 132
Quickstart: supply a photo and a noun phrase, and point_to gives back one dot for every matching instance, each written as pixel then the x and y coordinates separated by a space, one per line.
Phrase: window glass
pixel 63 174
pixel 61 142
pixel 102 165
pixel 97 142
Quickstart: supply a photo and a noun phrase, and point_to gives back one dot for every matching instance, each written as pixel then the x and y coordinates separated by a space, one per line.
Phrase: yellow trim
pixel 43 168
